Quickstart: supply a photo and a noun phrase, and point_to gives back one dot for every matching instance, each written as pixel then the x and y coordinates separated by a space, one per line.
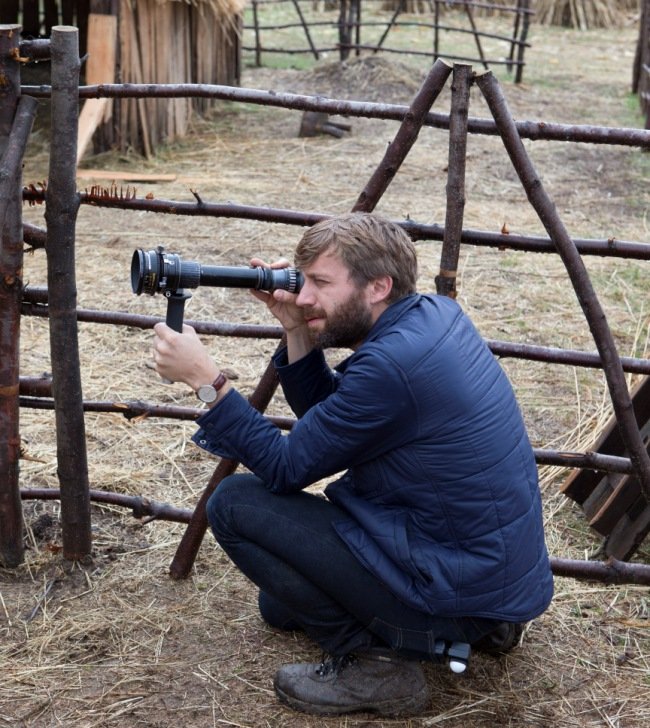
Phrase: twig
pixel 42 599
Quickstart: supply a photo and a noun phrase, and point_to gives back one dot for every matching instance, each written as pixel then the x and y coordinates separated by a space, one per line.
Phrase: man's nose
pixel 305 296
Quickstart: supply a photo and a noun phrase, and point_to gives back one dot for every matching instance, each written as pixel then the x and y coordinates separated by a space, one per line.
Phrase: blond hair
pixel 369 246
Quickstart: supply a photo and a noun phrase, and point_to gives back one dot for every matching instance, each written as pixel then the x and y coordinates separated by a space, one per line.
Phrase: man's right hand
pixel 280 303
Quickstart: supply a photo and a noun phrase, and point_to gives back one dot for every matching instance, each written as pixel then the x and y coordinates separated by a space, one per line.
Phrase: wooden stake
pixel 11 264
pixel 446 278
pixel 60 215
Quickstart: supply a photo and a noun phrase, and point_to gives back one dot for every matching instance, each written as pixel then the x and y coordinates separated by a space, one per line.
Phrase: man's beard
pixel 347 326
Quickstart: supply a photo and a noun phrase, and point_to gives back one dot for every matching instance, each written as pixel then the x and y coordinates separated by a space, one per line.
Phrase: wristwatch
pixel 208 393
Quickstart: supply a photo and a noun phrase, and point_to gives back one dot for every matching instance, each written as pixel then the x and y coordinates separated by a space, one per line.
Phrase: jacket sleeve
pixel 307 381
pixel 371 412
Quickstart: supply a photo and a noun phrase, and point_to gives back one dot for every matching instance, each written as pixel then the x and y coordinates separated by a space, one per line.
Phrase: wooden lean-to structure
pixel 173 41
pixel 140 41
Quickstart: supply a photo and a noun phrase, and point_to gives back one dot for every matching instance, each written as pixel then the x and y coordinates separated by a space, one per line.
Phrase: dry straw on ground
pixel 116 641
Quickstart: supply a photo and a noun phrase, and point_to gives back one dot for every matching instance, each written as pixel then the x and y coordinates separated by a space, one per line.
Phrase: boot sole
pixel 395 708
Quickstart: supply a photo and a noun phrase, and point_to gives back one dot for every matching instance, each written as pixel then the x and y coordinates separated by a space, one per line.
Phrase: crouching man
pixel 434 529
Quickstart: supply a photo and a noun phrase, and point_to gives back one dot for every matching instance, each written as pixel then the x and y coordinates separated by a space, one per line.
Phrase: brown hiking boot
pixel 376 681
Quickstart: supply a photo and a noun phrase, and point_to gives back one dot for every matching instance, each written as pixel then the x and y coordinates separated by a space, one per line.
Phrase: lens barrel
pixel 155 271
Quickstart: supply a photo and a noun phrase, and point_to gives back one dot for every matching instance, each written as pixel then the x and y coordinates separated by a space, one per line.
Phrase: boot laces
pixel 334 664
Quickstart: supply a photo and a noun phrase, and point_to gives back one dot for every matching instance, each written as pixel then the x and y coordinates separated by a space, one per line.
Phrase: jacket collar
pixel 392 314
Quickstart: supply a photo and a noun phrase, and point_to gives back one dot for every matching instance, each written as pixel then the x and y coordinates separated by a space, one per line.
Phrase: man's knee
pixel 232 490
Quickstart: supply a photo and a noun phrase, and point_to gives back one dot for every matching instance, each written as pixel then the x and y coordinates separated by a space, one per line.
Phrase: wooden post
pixel 436 29
pixel 398 10
pixel 525 25
pixel 405 137
pixel 446 278
pixel 61 215
pixel 356 16
pixel 344 31
pixel 477 36
pixel 515 34
pixel 641 65
pixel 306 29
pixel 258 46
pixel 11 263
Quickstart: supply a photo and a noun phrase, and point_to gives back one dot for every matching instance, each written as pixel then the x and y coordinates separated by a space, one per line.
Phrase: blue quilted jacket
pixel 440 483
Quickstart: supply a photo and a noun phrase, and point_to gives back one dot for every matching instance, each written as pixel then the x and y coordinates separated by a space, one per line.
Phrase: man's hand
pixel 280 303
pixel 182 357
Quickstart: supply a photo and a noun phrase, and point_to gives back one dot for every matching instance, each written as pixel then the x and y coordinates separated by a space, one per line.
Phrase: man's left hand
pixel 182 357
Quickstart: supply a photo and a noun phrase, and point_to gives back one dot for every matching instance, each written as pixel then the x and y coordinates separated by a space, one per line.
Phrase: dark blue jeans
pixel 308 578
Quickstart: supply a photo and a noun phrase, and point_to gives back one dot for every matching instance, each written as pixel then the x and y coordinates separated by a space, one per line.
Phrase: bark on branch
pixel 61 214
pixel 12 158
pixel 527 129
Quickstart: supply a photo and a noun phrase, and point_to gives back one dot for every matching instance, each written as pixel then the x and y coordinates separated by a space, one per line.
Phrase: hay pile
pixel 374 78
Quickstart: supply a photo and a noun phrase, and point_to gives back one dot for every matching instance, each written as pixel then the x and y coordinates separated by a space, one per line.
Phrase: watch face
pixel 206 393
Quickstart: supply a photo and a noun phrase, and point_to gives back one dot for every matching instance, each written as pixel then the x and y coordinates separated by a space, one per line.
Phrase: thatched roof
pixel 584 14
pixel 220 7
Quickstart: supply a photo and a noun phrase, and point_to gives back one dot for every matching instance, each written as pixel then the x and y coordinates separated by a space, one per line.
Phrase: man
pixel 434 529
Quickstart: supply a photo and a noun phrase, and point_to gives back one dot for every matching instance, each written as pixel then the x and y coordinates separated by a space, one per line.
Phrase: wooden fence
pixel 357 33
pixel 58 301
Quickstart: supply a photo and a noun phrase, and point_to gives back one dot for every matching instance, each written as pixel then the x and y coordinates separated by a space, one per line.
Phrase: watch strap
pixel 208 393
pixel 219 381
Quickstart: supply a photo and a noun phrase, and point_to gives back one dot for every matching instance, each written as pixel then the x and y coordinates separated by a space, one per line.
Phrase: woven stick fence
pixel 67 406
pixel 350 26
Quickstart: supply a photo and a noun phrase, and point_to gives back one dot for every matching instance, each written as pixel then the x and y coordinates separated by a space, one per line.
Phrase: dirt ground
pixel 116 641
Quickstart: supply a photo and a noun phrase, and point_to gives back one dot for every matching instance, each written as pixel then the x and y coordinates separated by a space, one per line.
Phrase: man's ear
pixel 380 289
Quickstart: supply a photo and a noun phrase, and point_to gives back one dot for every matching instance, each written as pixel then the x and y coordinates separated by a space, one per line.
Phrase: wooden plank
pixel 100 68
pixel 147 107
pixel 184 73
pixel 102 39
pixel 127 106
pixel 607 485
pixel 624 494
pixel 187 67
pixel 164 60
pixel 620 500
pixel 90 118
pixel 115 174
pixel 629 532
pixel 614 503
pixel 579 485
